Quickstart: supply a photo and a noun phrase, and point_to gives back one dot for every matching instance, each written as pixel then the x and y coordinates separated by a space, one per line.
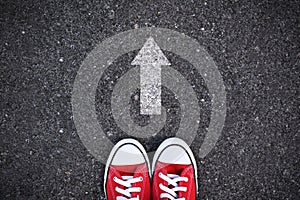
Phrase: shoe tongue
pixel 174 171
pixel 140 171
pixel 189 173
pixel 127 172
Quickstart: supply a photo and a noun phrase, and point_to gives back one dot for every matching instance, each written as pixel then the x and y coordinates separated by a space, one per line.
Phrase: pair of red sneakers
pixel 128 174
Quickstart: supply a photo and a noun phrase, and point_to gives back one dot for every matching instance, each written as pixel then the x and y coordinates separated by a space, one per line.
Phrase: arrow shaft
pixel 150 82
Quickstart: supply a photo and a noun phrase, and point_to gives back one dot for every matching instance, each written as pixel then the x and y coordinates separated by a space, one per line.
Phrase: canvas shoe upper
pixel 127 172
pixel 174 172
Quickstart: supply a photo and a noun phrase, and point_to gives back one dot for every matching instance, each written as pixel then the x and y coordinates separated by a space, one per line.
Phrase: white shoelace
pixel 127 182
pixel 172 179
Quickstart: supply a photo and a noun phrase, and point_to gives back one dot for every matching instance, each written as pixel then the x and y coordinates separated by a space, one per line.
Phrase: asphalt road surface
pixel 255 45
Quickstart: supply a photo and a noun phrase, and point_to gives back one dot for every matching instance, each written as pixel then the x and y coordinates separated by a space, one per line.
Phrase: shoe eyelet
pixel 141 178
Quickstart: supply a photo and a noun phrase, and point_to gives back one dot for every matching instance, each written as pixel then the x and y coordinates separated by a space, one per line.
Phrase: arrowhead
pixel 150 54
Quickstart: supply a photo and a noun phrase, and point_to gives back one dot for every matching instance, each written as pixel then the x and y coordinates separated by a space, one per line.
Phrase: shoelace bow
pixel 172 179
pixel 127 182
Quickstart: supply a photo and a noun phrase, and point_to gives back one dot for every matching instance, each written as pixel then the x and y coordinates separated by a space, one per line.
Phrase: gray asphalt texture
pixel 254 44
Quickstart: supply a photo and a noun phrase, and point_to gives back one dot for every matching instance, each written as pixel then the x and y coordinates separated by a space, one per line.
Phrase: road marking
pixel 150 58
pixel 86 84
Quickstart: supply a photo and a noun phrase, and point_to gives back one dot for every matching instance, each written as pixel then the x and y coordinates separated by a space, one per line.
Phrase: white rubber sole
pixel 115 149
pixel 179 142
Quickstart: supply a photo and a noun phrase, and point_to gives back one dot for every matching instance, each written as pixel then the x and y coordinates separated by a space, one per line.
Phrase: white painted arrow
pixel 150 58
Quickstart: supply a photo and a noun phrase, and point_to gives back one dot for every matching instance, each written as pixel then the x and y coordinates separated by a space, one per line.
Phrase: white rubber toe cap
pixel 175 155
pixel 128 154
pixel 174 151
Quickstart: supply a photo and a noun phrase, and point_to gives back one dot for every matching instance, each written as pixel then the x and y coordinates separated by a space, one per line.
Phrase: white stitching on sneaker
pixel 127 182
pixel 172 179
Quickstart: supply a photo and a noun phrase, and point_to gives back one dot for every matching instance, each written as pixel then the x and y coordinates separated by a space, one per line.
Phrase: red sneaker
pixel 127 174
pixel 174 172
